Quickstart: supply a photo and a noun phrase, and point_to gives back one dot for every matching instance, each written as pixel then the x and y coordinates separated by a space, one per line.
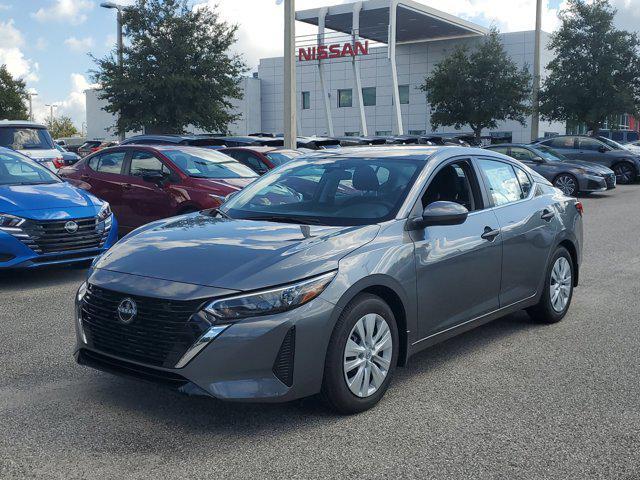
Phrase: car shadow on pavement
pixel 12 280
pixel 208 415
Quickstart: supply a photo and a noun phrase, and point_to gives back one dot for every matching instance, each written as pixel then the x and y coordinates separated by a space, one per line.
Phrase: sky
pixel 48 42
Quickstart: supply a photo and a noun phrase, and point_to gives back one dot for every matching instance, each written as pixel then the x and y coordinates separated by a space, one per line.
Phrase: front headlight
pixel 105 212
pixel 9 221
pixel 268 302
pixel 82 291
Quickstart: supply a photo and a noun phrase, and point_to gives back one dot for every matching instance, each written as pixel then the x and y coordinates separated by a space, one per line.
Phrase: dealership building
pixel 360 74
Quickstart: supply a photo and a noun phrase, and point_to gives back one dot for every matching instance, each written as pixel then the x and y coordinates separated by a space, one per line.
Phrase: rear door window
pixel 108 162
pixel 502 182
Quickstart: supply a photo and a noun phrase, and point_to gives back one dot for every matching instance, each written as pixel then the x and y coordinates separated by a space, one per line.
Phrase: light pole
pixel 535 98
pixel 51 106
pixel 119 34
pixel 31 95
pixel 290 97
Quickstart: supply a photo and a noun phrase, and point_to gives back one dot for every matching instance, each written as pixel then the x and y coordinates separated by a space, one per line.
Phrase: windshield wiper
pixel 287 219
pixel 218 212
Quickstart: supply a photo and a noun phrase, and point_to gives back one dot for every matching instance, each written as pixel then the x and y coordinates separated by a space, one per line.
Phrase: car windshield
pixel 611 143
pixel 25 138
pixel 328 191
pixel 16 169
pixel 550 154
pixel 280 158
pixel 204 163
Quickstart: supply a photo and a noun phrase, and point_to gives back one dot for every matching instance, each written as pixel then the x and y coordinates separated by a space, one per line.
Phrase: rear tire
pixel 558 289
pixel 361 357
pixel 625 173
pixel 567 183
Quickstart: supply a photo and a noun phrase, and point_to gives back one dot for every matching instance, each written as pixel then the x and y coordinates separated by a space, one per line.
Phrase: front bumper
pixel 14 254
pixel 592 183
pixel 247 361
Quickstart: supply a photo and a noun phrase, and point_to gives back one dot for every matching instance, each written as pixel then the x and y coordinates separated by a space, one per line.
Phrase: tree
pixel 596 71
pixel 478 88
pixel 61 127
pixel 177 69
pixel 13 94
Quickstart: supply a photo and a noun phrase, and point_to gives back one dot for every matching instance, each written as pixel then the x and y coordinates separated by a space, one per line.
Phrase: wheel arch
pixel 573 251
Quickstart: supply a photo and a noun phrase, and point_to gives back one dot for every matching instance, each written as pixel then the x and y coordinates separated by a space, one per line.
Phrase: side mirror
pixel 441 213
pixel 230 196
pixel 602 149
pixel 538 160
pixel 154 177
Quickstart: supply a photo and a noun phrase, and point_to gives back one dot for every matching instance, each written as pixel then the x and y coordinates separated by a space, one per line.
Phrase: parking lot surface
pixel 511 399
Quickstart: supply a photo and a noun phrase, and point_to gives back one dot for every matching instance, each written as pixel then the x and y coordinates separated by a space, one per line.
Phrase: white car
pixel 633 147
pixel 31 139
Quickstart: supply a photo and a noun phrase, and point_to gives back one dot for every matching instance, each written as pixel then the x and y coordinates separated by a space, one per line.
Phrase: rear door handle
pixel 489 234
pixel 547 215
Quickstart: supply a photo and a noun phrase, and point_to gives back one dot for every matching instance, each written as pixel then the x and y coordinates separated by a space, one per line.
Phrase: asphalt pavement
pixel 509 400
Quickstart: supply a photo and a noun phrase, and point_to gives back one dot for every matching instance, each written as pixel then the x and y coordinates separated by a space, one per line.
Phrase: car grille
pixel 283 365
pixel 52 236
pixel 610 178
pixel 159 334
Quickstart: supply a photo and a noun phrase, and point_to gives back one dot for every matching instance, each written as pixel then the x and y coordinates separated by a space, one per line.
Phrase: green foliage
pixel 596 71
pixel 13 94
pixel 478 88
pixel 61 127
pixel 177 69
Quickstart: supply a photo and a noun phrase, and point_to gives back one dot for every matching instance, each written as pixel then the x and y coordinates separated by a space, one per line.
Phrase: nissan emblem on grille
pixel 127 310
pixel 71 226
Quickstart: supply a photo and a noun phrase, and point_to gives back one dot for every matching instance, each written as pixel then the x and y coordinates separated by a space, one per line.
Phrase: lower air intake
pixel 283 366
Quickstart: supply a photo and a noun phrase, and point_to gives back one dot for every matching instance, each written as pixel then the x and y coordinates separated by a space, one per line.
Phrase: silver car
pixel 329 272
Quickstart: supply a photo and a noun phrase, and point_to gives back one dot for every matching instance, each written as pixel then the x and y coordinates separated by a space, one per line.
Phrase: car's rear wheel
pixel 558 289
pixel 625 173
pixel 362 355
pixel 567 183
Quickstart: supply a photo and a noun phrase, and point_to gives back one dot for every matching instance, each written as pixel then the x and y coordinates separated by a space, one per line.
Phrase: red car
pixel 261 159
pixel 146 183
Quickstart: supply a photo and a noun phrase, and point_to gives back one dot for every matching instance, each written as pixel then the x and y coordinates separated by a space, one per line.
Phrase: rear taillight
pixel 58 163
pixel 580 208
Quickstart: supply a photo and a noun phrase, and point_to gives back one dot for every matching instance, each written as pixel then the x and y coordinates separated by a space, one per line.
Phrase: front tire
pixel 567 183
pixel 625 173
pixel 362 355
pixel 558 289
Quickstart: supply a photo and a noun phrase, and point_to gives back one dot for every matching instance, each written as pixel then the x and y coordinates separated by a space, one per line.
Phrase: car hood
pixel 16 198
pixel 590 166
pixel 232 254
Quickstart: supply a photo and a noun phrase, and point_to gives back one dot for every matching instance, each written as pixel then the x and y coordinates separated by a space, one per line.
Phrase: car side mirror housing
pixel 538 160
pixel 440 214
pixel 602 149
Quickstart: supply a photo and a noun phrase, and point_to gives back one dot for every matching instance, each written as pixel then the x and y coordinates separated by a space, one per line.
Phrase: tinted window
pixel 108 162
pixel 143 163
pixel 503 183
pixel 278 158
pixel 248 159
pixel 369 96
pixel 204 163
pixel 403 90
pixel 560 142
pixel 306 100
pixel 332 191
pixel 454 183
pixel 522 154
pixel 25 138
pixel 503 150
pixel 17 170
pixel 525 182
pixel 345 98
pixel 590 144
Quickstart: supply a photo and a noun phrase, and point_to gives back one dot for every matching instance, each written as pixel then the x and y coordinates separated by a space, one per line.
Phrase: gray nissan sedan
pixel 329 272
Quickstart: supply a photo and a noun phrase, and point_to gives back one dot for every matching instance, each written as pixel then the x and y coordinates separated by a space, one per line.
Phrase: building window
pixel 383 133
pixel 306 100
pixel 404 94
pixel 417 132
pixel 345 98
pixel 351 134
pixel 369 96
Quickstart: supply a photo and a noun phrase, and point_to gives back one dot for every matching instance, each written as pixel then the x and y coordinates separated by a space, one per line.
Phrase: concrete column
pixel 393 9
pixel 356 67
pixel 535 99
pixel 323 82
pixel 290 95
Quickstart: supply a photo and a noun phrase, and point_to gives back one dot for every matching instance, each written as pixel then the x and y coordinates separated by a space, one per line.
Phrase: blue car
pixel 46 221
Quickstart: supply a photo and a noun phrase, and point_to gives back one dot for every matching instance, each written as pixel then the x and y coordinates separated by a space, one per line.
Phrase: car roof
pixel 253 148
pixel 21 123
pixel 413 152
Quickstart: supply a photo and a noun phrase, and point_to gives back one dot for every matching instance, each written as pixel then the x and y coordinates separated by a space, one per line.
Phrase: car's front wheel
pixel 558 289
pixel 362 355
pixel 567 183
pixel 625 173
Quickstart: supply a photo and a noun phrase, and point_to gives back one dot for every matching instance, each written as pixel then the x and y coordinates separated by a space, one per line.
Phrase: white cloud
pixel 41 43
pixel 79 44
pixel 11 55
pixel 73 105
pixel 4 7
pixel 72 11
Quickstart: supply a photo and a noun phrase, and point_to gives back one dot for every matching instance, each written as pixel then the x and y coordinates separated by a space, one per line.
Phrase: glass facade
pixel 369 96
pixel 306 100
pixel 345 98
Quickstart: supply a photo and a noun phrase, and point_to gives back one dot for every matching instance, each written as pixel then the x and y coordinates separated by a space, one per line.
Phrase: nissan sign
pixel 336 50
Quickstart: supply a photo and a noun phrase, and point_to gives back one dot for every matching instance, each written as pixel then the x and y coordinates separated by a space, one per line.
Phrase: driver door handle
pixel 547 215
pixel 126 186
pixel 489 234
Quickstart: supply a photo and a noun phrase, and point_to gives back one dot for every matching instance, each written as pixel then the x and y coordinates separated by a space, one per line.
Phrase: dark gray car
pixel 329 272
pixel 570 176
pixel 600 150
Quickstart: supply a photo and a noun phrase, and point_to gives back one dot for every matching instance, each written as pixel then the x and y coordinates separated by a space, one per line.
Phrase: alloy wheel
pixel 367 355
pixel 567 184
pixel 561 284
pixel 624 173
